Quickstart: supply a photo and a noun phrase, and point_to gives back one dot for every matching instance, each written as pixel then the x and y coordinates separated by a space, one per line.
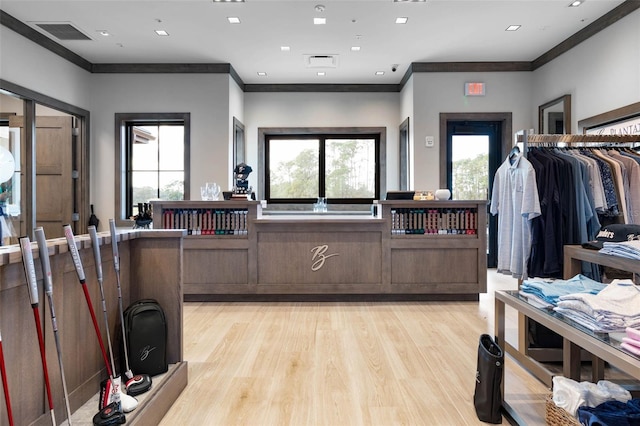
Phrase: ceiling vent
pixel 63 31
pixel 321 61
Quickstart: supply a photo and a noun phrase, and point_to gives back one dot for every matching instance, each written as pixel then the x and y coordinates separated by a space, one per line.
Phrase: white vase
pixel 443 194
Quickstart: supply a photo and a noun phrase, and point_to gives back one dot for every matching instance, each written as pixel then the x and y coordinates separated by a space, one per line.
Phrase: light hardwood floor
pixel 326 363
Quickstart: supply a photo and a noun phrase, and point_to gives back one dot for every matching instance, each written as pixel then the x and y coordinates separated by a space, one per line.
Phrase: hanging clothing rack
pixel 570 139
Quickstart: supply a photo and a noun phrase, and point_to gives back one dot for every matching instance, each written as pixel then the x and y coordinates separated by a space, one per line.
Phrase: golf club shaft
pixel 73 249
pixel 116 265
pixel 98 261
pixel 5 385
pixel 32 285
pixel 48 289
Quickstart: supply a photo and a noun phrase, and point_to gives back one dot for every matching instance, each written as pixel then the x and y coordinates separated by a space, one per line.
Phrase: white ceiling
pixel 437 31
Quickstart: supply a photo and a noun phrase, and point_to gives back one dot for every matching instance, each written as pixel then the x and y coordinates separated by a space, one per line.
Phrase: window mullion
pixel 322 187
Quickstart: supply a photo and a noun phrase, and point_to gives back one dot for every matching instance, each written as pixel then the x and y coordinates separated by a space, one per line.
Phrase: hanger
pixel 515 151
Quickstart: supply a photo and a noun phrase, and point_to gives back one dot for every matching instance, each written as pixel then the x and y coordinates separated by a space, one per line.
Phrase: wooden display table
pixel 603 347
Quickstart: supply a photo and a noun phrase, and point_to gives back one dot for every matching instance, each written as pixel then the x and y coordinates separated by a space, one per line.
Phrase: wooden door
pixel 54 183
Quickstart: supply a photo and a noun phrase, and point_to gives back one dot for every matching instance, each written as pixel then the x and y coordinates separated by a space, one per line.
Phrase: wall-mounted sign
pixel 474 89
pixel 626 127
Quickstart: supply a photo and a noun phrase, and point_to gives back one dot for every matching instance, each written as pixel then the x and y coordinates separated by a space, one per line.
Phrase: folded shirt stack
pixel 571 395
pixel 613 309
pixel 628 249
pixel 631 342
pixel 544 293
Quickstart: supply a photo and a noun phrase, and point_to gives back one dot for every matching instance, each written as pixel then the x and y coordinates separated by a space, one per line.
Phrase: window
pixel 301 166
pixel 153 159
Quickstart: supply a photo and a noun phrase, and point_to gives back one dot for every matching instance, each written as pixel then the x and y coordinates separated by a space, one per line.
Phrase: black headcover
pixel 109 415
pixel 138 384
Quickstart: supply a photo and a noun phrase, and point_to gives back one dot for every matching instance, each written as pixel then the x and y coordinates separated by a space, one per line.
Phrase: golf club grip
pixel 96 250
pixel 29 270
pixel 44 260
pixel 114 244
pixel 73 249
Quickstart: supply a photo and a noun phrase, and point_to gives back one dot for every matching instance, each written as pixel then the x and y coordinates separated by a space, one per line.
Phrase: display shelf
pixel 317 255
pixel 206 218
pixel 434 221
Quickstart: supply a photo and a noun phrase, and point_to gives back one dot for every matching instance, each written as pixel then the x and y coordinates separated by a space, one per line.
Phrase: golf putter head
pixel 109 415
pixel 138 384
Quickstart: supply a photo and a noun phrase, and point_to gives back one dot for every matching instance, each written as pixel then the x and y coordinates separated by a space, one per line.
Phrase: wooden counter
pixel 234 252
pixel 151 267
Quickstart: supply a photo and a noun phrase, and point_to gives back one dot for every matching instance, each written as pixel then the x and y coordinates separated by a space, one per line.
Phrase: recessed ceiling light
pixel 285 48
pixel 355 48
pixel 319 21
pixel 233 19
pixel 321 73
pixel 409 1
pixel 162 33
pixel 103 33
pixel 228 1
pixel 402 20
pixel 379 72
pixel 262 73
pixel 513 27
pixel 576 3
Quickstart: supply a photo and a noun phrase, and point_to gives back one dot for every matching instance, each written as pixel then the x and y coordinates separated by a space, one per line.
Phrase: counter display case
pixel 409 250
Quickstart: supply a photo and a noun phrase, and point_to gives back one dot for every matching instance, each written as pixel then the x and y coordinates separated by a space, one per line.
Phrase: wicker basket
pixel 557 416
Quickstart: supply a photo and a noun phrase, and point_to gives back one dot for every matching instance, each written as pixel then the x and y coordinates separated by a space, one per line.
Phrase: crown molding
pixel 322 88
pixel 592 29
pixel 470 66
pixel 603 22
pixel 42 40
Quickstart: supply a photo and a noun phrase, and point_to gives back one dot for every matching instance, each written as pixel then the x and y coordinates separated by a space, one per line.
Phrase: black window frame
pixel 124 123
pixel 322 134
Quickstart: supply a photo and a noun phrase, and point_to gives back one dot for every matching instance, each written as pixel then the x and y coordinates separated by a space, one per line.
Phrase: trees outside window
pixel 343 168
pixel 153 160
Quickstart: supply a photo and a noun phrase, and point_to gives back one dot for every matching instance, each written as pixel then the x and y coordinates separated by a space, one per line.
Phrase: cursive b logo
pixel 319 256
pixel 144 353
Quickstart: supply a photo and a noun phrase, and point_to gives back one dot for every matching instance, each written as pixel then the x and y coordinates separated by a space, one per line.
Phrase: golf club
pixel 128 402
pixel 139 383
pixel 32 285
pixel 112 395
pixel 48 289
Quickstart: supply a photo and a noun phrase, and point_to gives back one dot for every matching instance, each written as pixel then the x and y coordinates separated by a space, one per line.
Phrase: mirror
pixel 404 155
pixel 238 142
pixel 554 117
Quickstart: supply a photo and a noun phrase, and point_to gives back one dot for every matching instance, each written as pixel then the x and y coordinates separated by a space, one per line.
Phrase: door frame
pixel 507 133
pixel 504 146
pixel 81 152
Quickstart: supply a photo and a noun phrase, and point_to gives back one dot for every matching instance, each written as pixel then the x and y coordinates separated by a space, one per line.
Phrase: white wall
pixel 323 110
pixel 204 96
pixel 26 64
pixel 435 93
pixel 601 74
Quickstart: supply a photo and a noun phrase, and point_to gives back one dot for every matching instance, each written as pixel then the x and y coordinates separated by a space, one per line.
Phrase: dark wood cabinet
pixel 409 250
